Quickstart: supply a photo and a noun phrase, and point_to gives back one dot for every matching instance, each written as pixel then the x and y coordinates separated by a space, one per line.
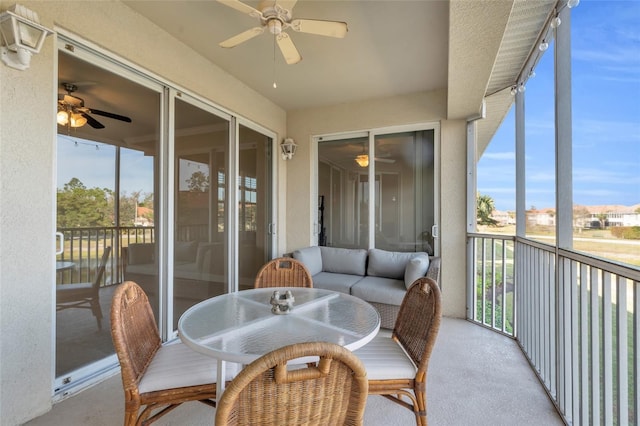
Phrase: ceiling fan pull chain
pixel 275 86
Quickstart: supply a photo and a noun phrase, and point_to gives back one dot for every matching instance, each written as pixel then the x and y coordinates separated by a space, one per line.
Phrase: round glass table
pixel 240 327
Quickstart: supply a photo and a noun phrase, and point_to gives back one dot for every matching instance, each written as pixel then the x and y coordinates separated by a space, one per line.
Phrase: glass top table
pixel 240 327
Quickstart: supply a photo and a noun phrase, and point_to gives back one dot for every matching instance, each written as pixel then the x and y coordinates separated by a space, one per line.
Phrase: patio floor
pixel 476 377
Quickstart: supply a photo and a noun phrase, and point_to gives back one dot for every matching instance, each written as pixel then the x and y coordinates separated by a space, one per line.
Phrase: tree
pixel 484 207
pixel 198 182
pixel 79 206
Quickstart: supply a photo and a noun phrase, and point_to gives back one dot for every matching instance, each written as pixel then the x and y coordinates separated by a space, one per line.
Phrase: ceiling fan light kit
pixel 277 17
pixel 73 113
pixel 362 160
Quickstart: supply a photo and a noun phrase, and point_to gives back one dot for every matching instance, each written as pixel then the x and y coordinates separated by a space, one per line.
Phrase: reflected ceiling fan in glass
pixel 73 113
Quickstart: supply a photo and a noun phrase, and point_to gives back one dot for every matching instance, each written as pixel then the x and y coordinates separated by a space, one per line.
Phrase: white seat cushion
pixel 176 365
pixel 385 359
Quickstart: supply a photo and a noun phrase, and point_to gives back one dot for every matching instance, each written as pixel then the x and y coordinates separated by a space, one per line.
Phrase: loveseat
pixel 378 276
pixel 198 268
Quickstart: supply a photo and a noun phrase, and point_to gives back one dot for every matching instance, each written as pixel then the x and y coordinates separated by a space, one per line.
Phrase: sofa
pixel 377 276
pixel 198 268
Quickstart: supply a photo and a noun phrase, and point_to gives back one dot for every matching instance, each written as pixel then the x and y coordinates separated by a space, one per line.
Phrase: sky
pixel 605 65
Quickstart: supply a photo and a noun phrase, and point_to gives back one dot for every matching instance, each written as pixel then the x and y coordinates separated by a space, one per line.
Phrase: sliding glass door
pixel 403 212
pixel 154 186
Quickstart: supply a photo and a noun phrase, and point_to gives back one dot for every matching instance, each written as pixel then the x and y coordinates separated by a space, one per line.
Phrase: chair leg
pixel 97 311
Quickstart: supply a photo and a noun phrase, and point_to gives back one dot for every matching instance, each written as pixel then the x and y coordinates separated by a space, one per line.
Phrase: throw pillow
pixel 416 268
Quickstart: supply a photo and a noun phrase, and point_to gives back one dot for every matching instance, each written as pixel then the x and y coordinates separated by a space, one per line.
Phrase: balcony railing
pixel 574 316
pixel 83 247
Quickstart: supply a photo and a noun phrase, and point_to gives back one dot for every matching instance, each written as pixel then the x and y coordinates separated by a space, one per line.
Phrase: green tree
pixel 79 206
pixel 198 182
pixel 484 207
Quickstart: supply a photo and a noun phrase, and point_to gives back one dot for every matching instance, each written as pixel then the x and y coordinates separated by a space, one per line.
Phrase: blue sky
pixel 606 117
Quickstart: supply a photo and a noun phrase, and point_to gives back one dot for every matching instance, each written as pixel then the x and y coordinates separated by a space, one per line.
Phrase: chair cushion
pixel 310 257
pixel 385 359
pixel 416 268
pixel 74 292
pixel 175 365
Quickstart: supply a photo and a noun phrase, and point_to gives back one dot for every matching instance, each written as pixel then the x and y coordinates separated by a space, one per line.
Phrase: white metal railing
pixel 575 317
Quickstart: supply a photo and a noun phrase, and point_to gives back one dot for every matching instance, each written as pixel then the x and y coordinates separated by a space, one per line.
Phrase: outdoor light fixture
pixel 288 148
pixel 362 160
pixel 22 36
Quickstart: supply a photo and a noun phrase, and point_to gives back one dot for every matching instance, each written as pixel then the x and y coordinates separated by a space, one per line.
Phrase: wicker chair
pixel 283 272
pixel 332 392
pixel 391 362
pixel 155 376
pixel 84 295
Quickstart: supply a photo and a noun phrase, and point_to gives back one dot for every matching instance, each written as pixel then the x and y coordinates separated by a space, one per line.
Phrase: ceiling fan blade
pixel 288 49
pixel 92 121
pixel 242 7
pixel 110 115
pixel 242 37
pixel 286 4
pixel 385 160
pixel 324 28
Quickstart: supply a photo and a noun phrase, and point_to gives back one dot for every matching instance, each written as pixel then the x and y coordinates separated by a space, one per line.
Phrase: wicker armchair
pixel 84 295
pixel 333 392
pixel 391 362
pixel 155 376
pixel 283 272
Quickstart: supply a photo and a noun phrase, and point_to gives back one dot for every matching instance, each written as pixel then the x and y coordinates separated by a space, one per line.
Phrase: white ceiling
pixel 392 47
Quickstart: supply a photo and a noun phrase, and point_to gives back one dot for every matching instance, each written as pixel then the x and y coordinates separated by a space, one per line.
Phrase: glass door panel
pixel 200 250
pixel 404 192
pixel 105 189
pixel 343 192
pixel 254 204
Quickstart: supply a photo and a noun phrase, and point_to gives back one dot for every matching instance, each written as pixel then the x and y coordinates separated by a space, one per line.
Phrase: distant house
pixel 144 216
pixel 546 217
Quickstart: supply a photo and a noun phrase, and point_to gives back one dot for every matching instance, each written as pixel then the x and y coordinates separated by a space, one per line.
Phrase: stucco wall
pixel 27 176
pixel 302 125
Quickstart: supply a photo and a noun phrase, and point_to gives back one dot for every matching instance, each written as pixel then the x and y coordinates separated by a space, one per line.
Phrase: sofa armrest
pixel 433 271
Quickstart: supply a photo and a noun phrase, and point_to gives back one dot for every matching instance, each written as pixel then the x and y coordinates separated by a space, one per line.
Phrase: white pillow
pixel 416 268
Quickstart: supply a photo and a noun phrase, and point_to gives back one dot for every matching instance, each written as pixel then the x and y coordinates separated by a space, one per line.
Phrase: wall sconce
pixel 22 36
pixel 288 148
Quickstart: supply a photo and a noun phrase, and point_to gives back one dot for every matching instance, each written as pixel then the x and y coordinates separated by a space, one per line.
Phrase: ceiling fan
pixel 73 112
pixel 277 17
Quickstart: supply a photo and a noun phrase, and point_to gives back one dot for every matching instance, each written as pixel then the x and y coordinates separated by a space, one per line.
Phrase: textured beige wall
pixel 27 176
pixel 427 107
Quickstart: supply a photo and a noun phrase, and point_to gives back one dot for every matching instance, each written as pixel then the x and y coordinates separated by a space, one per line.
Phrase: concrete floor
pixel 476 377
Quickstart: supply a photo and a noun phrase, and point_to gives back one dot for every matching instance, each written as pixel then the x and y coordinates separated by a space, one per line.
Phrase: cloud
pixel 507 155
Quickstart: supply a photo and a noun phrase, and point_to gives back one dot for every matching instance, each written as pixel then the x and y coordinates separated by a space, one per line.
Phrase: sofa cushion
pixel 380 290
pixel 310 257
pixel 344 261
pixel 141 253
pixel 185 251
pixel 389 264
pixel 416 268
pixel 335 282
